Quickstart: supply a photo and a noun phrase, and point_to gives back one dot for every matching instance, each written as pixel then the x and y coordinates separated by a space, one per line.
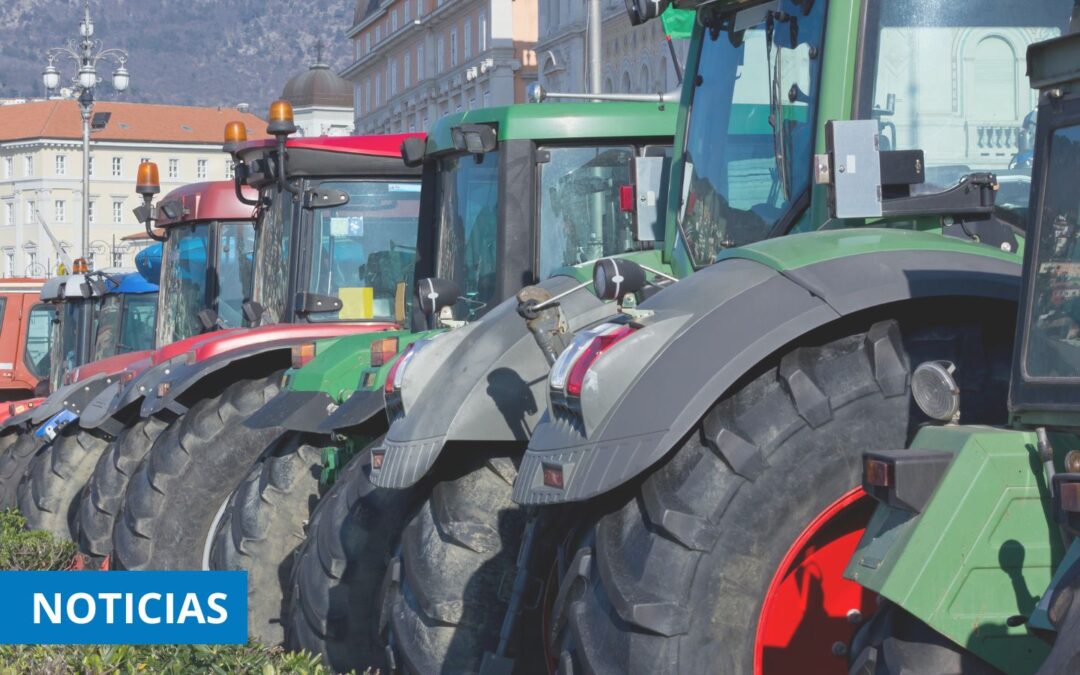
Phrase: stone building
pixel 416 60
pixel 322 101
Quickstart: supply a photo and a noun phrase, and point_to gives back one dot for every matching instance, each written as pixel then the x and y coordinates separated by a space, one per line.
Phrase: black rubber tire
pixel 104 493
pixel 338 576
pixel 192 468
pixel 14 463
pixel 456 565
pixel 894 642
pixel 264 525
pixel 673 579
pixel 49 492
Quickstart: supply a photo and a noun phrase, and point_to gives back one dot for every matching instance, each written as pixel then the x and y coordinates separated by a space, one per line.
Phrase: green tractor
pixel 510 194
pixel 709 434
pixel 972 548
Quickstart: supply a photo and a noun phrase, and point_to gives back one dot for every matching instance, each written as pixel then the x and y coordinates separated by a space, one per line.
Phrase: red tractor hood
pixel 136 361
pixel 227 341
pixel 179 347
pixel 19 407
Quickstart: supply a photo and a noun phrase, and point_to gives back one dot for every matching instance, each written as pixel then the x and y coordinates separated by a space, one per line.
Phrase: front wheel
pixel 707 570
pixel 14 463
pixel 49 492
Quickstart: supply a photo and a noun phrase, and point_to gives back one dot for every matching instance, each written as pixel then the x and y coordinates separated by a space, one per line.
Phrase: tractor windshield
pixel 65 339
pixel 581 217
pixel 750 137
pixel 1053 341
pixel 949 78
pixel 204 266
pixel 125 324
pixel 467 218
pixel 363 250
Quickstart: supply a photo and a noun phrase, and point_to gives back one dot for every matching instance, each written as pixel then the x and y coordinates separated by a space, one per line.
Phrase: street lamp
pixel 86 53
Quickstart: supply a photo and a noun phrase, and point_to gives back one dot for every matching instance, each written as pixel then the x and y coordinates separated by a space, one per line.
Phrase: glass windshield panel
pixel 750 138
pixel 184 262
pixel 109 318
pixel 1053 342
pixel 39 339
pixel 236 252
pixel 468 222
pixel 364 249
pixel 273 240
pixel 137 328
pixel 949 78
pixel 65 340
pixel 580 214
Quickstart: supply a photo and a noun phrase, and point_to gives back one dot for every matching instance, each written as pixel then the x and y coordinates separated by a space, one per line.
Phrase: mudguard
pixel 362 406
pixel 115 403
pixel 707 331
pixel 73 397
pixel 295 410
pixel 482 382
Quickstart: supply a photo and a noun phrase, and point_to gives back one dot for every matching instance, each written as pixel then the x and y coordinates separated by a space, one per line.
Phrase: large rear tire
pixel 190 471
pixel 676 579
pixel 264 524
pixel 104 493
pixel 14 463
pixel 456 565
pixel 338 576
pixel 49 491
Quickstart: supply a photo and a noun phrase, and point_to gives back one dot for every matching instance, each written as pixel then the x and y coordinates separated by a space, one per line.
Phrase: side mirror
pixel 641 11
pixel 208 319
pixel 412 151
pixel 434 294
pixel 614 278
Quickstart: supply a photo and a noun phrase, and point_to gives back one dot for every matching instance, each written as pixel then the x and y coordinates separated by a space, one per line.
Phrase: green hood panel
pixel 799 250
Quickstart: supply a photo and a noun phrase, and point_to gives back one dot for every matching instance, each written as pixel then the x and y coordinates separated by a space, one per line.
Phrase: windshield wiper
pixel 776 110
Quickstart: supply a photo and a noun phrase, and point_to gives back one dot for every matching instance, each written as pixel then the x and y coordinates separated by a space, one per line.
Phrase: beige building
pixel 636 59
pixel 41 172
pixel 416 60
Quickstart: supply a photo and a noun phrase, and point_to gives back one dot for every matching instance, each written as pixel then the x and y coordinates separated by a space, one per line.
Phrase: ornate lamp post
pixel 86 53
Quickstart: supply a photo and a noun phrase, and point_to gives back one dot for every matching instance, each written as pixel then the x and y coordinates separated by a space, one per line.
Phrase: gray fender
pixel 484 382
pixel 708 330
pixel 114 405
pixel 69 397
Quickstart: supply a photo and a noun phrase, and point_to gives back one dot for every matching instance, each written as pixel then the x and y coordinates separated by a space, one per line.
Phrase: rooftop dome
pixel 318 86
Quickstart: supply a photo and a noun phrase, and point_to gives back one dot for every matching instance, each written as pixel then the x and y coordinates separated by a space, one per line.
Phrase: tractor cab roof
pixel 95 284
pixel 206 201
pixel 377 155
pixel 561 122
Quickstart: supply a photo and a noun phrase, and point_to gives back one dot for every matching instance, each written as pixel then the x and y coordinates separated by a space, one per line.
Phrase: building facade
pixel 636 59
pixel 41 173
pixel 416 60
pixel 322 101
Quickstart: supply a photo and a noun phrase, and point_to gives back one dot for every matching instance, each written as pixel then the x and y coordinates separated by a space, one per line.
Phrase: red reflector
pixel 388 387
pixel 626 198
pixel 383 350
pixel 553 477
pixel 876 473
pixel 302 354
pixel 163 389
pixel 1070 497
pixel 377 457
pixel 127 376
pixel 18 408
pixel 599 345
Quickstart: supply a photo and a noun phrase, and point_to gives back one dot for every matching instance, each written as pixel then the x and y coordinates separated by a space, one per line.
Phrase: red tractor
pixel 24 340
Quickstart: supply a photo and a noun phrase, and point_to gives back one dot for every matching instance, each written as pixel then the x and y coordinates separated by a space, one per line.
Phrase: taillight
pixel 302 354
pixel 568 373
pixel 127 376
pixel 393 378
pixel 383 350
pixel 20 408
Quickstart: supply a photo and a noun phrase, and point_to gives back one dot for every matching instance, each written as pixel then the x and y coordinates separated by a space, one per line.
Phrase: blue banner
pixel 123 607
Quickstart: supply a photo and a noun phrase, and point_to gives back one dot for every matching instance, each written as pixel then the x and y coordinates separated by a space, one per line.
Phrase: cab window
pixel 39 339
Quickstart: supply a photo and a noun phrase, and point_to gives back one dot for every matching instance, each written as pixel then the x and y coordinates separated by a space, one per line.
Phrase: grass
pixel 21 549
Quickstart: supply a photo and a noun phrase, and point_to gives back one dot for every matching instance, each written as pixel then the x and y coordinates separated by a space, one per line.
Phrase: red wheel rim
pixel 807 613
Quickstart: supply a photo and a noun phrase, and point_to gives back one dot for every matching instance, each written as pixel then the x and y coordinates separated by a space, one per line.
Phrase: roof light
pixel 281 119
pixel 235 134
pixel 568 373
pixel 146 179
pixel 302 354
pixel 383 350
pixel 80 266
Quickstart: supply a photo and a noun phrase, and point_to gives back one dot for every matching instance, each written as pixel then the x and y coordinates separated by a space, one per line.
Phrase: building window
pixel 483 33
pixel 9 213
pixel 453 47
pixel 92 216
pixel 419 8
pixel 9 259
pixel 61 165
pixel 468 38
pixel 60 208
pixel 200 169
pixel 91 167
pixel 367 42
pixel 393 77
pixel 407 69
pixel 378 89
pixel 28 165
pixel 229 169
pixel 472 102
pixel 367 96
pixel 9 167
pixel 408 10
pixel 117 167
pixel 420 63
pixel 174 168
pixel 378 34
pixel 31 212
pixel 440 54
pixel 118 212
pixel 393 21
pixel 487 99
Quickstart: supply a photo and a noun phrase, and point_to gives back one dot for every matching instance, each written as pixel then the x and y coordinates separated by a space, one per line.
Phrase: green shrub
pixel 21 549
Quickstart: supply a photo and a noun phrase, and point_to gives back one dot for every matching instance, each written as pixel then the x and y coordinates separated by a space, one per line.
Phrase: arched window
pixel 626 82
pixel 662 76
pixel 609 86
pixel 995 79
pixel 645 84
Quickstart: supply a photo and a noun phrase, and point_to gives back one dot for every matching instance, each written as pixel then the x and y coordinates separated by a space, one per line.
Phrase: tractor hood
pixel 645 393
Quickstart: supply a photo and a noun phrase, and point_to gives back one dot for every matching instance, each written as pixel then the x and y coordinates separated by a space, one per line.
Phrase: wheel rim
pixel 808 617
